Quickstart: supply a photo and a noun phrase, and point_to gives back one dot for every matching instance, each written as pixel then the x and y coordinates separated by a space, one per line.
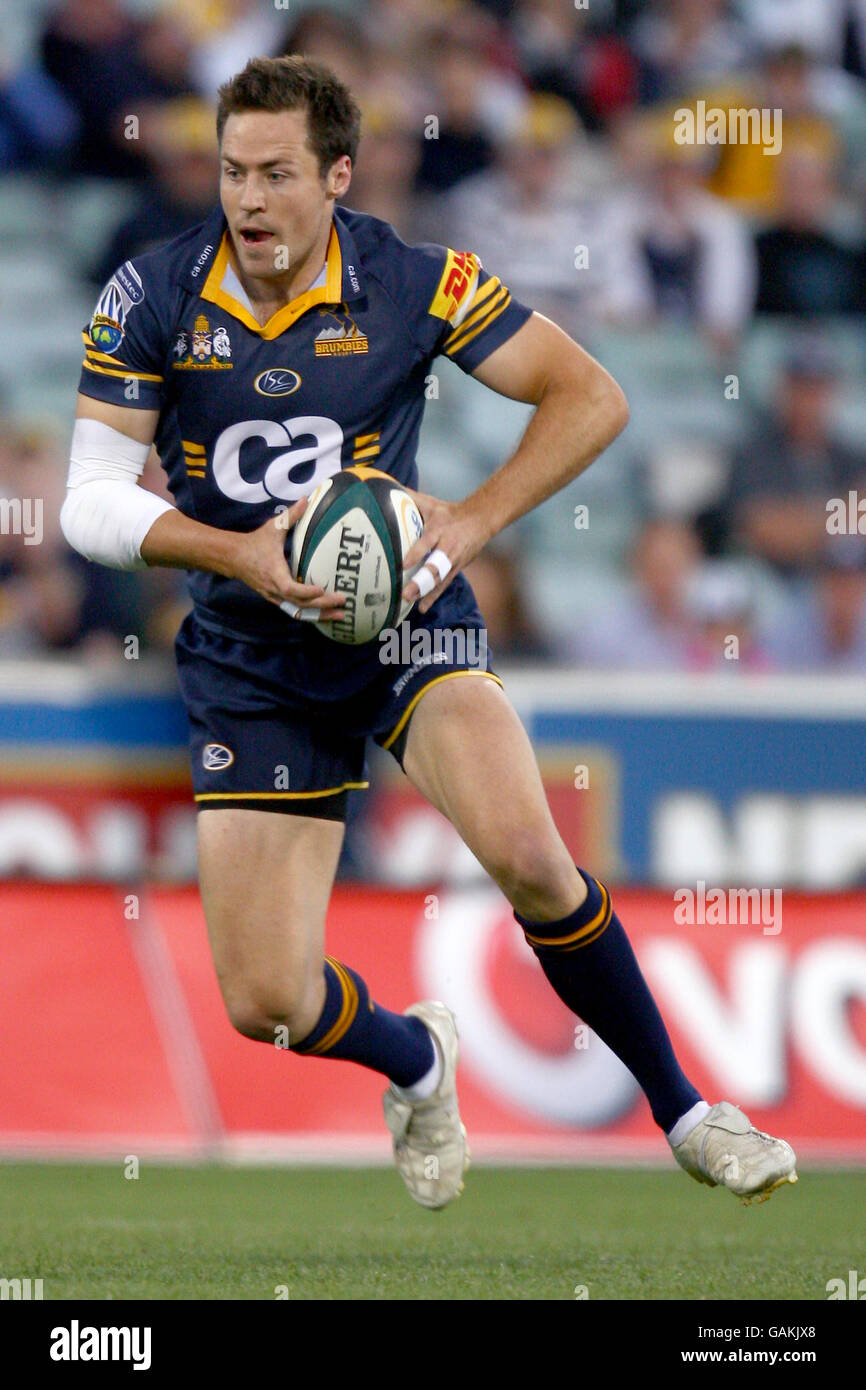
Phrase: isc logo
pixel 323 443
pixel 277 381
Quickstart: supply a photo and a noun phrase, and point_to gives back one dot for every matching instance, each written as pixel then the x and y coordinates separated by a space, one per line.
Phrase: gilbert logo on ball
pixel 358 527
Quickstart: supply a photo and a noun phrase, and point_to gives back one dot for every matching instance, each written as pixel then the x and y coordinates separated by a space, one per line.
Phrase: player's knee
pixel 274 1014
pixel 536 872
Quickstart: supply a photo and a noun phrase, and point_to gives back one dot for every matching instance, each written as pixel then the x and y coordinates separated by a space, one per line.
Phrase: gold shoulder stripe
pixel 122 372
pixel 475 317
pixel 480 302
pixel 466 335
pixel 101 356
pixel 192 448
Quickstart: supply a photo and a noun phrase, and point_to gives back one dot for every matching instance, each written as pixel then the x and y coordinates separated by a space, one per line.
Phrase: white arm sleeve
pixel 106 515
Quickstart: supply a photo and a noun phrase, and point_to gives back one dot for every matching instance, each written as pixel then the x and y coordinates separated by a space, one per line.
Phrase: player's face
pixel 277 203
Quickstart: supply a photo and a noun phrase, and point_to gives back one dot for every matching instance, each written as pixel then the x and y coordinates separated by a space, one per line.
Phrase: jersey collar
pixel 213 263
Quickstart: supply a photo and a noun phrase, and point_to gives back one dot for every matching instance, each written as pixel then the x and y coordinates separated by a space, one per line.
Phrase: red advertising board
pixel 115 1038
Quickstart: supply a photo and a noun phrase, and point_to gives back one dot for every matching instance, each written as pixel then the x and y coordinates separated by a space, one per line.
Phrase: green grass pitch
pixel 217 1232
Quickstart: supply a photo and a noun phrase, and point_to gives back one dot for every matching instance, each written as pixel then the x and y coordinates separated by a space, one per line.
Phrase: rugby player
pixel 280 340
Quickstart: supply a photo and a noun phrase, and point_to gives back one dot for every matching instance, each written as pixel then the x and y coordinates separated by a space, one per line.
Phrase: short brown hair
pixel 294 83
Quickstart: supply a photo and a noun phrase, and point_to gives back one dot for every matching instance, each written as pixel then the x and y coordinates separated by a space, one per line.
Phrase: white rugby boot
pixel 724 1149
pixel 429 1138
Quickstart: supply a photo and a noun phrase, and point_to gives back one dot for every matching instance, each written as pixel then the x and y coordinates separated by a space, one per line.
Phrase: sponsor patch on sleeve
pixel 129 282
pixel 108 324
pixel 456 287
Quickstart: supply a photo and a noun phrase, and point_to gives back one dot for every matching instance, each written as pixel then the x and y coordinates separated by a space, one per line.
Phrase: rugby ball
pixel 352 539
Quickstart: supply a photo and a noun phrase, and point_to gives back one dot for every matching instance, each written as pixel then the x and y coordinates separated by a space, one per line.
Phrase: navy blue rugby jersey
pixel 254 416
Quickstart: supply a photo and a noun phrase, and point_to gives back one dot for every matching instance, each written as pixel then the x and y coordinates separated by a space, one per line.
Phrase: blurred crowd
pixel 542 135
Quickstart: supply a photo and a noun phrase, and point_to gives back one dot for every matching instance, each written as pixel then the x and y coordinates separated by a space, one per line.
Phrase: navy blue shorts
pixel 278 727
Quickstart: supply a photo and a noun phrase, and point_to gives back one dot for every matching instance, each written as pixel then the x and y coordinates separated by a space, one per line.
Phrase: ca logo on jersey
pixel 287 476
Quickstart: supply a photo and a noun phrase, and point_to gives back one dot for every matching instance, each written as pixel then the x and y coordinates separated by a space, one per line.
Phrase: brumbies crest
pixel 203 349
pixel 340 336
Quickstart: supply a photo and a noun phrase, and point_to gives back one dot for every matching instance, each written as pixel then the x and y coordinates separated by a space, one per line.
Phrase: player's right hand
pixel 261 563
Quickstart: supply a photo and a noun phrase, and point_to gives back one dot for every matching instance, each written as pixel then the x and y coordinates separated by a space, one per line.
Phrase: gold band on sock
pixel 345 1018
pixel 584 935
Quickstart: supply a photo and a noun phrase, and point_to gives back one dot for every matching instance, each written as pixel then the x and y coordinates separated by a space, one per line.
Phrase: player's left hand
pixel 452 536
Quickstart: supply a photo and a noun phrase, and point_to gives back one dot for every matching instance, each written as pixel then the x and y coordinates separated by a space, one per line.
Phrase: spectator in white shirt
pixel 686 255
pixel 541 216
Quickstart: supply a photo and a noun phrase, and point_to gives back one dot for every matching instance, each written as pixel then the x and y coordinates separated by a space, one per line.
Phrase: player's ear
pixel 339 177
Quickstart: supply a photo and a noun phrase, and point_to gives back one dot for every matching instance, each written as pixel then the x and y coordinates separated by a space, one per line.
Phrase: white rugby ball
pixel 355 533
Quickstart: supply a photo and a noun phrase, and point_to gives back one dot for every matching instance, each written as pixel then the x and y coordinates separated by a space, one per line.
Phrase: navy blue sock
pixel 588 960
pixel 355 1029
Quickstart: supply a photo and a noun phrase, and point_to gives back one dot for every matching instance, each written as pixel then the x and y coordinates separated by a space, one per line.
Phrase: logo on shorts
pixel 216 756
